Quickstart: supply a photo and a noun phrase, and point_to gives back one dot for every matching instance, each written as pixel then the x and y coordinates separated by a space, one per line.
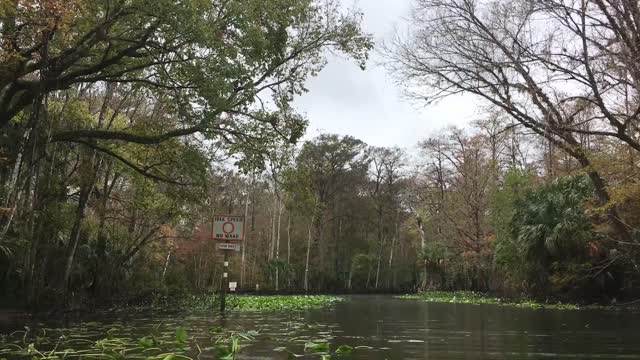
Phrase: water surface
pixel 383 327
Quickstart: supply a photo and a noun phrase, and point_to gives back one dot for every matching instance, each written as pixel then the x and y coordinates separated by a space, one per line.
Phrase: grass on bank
pixel 261 303
pixel 470 297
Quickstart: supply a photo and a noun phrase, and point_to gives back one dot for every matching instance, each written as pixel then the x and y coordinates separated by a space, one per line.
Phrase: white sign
pixel 227 246
pixel 233 285
pixel 228 227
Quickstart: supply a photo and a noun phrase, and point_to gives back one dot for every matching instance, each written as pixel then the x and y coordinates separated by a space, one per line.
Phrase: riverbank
pixel 471 297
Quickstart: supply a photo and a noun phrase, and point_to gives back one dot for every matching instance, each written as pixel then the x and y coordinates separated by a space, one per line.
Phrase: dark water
pixel 382 327
pixel 404 329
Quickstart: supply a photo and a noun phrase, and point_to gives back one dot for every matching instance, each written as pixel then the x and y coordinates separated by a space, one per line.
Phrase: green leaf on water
pixel 344 350
pixel 146 342
pixel 222 350
pixel 216 329
pixel 318 347
pixel 181 335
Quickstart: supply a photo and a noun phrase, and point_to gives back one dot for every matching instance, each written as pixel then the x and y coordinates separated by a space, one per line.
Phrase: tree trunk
pixel 396 237
pixel 272 245
pixel 380 245
pixel 321 250
pixel 306 263
pixel 244 246
pixel 379 262
pixel 368 274
pixel 390 271
pixel 101 272
pixel 619 227
pixel 278 246
pixel 289 249
pixel 166 266
pixel 602 195
pixel 74 238
pixel 11 189
pixel 350 277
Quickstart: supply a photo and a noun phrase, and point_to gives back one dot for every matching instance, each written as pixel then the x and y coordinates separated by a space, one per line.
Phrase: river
pixel 383 327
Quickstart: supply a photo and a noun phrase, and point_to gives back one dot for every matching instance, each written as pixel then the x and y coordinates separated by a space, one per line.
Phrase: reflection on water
pixel 381 327
pixel 403 329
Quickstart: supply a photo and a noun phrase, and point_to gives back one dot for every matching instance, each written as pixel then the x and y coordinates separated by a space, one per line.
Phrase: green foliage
pixel 260 303
pixel 181 335
pixel 433 252
pixel 507 255
pixel 117 344
pixel 116 150
pixel 362 266
pixel 470 297
pixel 164 341
pixel 284 269
pixel 227 348
pixel 282 303
pixel 549 230
pixel 344 350
pixel 552 221
pixel 316 346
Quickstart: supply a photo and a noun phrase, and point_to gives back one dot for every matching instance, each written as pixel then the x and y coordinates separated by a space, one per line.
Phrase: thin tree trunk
pixel 321 253
pixel 350 277
pixel 368 274
pixel 32 256
pixel 12 188
pixel 380 244
pixel 101 261
pixel 74 239
pixel 306 264
pixel 253 263
pixel 278 245
pixel 391 282
pixel 166 266
pixel 244 246
pixel 272 246
pixel 390 268
pixel 379 262
pixel 289 249
pixel 423 245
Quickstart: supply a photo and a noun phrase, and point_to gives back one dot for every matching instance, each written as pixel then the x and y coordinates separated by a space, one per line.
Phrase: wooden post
pixel 225 281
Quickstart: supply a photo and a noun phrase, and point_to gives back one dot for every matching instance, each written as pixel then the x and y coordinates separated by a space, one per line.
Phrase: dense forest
pixel 126 124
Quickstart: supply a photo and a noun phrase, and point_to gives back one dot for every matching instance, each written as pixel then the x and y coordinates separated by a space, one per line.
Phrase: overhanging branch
pixel 128 163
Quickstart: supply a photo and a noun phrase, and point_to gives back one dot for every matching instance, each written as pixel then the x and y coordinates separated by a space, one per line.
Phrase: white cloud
pixel 367 104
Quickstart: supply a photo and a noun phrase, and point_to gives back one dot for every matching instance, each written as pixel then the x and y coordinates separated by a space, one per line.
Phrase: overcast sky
pixel 367 104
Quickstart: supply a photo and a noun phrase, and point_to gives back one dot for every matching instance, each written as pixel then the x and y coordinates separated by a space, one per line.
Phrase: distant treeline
pixel 125 127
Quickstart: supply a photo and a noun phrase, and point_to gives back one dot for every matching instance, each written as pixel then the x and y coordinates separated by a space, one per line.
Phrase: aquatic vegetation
pixel 117 343
pixel 262 303
pixel 320 348
pixel 317 347
pixel 172 339
pixel 279 303
pixel 471 297
pixel 168 339
pixel 344 350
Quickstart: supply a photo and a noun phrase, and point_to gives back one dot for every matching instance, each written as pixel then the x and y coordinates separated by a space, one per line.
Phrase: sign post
pixel 229 230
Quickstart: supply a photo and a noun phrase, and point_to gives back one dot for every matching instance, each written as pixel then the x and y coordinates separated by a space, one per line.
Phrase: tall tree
pixel 485 49
pixel 331 163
